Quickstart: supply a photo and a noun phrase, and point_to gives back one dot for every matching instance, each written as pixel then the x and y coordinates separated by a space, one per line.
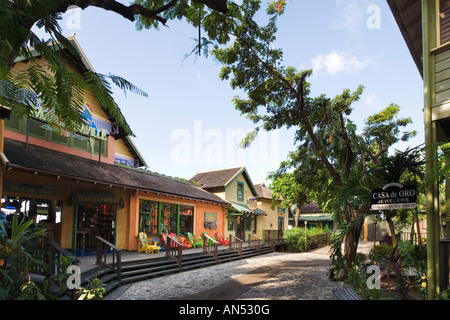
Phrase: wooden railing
pixel 254 241
pixel 236 244
pixel 320 240
pixel 174 250
pixel 210 245
pixel 102 252
pixel 55 251
pixel 444 260
pixel 269 240
pixel 275 235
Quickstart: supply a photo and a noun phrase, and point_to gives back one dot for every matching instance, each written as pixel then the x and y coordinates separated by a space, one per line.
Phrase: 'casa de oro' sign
pixel 394 196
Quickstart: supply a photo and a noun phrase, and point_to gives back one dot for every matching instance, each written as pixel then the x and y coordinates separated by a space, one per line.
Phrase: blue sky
pixel 188 123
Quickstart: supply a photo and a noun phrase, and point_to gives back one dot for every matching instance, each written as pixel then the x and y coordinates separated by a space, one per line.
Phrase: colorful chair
pixel 144 245
pixel 222 241
pixel 194 243
pixel 155 246
pixel 183 243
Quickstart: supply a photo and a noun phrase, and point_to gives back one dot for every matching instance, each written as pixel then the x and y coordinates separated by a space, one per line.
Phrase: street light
pixel 306 222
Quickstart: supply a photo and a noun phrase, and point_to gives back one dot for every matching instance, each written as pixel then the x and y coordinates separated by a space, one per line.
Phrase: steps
pixel 134 271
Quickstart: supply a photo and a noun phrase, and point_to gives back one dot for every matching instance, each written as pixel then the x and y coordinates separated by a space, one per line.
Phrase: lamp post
pixel 306 222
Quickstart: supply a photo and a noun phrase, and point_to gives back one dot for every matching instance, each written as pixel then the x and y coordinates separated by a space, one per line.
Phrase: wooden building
pixel 425 26
pixel 235 186
pixel 89 184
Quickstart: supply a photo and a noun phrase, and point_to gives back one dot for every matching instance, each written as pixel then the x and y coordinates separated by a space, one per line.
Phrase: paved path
pixel 276 276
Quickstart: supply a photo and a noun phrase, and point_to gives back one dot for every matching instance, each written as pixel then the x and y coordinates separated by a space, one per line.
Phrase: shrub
pixel 295 238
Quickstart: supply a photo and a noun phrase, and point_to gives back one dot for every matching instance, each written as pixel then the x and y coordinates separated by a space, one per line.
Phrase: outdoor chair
pixel 183 243
pixel 222 241
pixel 144 245
pixel 194 243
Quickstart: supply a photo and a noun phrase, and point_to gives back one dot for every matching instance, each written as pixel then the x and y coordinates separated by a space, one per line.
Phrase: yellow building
pixel 235 186
pixel 277 218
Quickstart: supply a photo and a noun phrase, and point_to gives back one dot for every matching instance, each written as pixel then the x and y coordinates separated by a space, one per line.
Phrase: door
pixel 94 220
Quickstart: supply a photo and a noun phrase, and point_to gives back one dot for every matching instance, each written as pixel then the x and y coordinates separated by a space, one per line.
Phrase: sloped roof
pixel 263 191
pixel 49 162
pixel 82 63
pixel 408 15
pixel 312 207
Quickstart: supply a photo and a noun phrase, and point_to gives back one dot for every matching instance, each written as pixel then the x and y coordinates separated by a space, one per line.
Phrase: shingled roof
pixel 215 178
pixel 263 191
pixel 49 162
pixel 221 178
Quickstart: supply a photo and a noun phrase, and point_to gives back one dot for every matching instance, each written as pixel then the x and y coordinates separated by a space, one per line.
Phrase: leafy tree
pixel 290 191
pixel 329 151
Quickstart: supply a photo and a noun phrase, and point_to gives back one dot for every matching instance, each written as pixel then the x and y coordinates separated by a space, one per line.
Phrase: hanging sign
pixel 394 196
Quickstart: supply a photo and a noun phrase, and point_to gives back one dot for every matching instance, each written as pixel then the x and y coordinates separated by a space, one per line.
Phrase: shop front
pixel 95 215
pixel 158 213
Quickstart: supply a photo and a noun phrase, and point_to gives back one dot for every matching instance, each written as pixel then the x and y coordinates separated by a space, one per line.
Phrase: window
pixel 231 223
pixel 148 217
pixel 240 191
pixel 169 218
pixel 186 219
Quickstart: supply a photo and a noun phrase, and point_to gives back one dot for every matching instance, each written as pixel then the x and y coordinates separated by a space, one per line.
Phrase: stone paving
pixel 275 276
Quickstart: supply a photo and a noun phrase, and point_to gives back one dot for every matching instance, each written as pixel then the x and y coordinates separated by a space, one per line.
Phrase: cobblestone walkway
pixel 276 276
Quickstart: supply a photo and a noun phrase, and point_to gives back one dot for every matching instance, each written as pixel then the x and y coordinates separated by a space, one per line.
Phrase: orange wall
pixel 199 214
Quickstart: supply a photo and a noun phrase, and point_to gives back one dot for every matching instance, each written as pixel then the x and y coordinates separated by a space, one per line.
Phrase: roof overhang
pixel 244 209
pixel 408 15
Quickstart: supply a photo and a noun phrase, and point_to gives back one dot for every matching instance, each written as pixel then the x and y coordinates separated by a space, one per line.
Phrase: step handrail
pixel 174 250
pixel 236 245
pixel 254 241
pixel 211 246
pixel 102 246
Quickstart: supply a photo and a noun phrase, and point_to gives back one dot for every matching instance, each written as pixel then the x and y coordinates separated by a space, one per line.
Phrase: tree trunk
pixel 392 230
pixel 351 243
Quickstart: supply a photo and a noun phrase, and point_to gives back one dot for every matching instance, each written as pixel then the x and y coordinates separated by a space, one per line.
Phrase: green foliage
pixel 95 291
pixel 295 238
pixel 380 252
pixel 15 257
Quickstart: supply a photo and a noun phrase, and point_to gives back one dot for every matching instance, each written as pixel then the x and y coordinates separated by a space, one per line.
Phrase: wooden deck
pixel 88 262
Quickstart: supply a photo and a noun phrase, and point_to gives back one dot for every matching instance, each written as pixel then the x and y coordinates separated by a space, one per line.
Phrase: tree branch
pixel 130 12
pixel 307 124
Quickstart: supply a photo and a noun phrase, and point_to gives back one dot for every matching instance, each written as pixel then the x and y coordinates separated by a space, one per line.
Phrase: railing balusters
pixel 174 249
pixel 102 246
pixel 236 244
pixel 211 246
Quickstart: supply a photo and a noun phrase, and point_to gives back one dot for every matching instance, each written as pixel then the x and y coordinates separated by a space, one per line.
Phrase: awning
pixel 243 208
pixel 315 217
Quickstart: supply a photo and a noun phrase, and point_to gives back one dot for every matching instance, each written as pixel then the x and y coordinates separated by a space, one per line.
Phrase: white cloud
pixel 337 62
pixel 350 15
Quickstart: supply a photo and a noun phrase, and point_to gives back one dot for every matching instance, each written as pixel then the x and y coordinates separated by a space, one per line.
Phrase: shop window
pixel 240 191
pixel 186 219
pixel 169 218
pixel 148 217
pixel 231 223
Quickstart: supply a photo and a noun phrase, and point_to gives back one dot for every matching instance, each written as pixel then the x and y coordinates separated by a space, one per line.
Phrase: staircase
pixel 134 271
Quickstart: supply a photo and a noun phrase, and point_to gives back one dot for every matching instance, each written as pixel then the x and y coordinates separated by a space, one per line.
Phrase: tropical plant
pixel 95 291
pixel 15 258
pixel 60 90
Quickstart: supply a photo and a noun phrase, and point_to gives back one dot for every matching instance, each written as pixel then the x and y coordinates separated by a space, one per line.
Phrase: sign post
pixel 394 196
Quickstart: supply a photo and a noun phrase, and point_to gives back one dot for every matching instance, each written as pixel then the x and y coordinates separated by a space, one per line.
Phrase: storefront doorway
pixel 92 220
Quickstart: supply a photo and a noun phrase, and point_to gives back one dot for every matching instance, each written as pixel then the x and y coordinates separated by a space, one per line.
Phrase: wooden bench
pixel 345 294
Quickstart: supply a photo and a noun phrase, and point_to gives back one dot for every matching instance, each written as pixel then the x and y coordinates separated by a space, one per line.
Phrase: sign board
pixel 394 196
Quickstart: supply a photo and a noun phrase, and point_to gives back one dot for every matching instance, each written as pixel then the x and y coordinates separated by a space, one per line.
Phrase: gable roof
pixel 222 178
pixel 408 15
pixel 263 191
pixel 44 161
pixel 82 64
